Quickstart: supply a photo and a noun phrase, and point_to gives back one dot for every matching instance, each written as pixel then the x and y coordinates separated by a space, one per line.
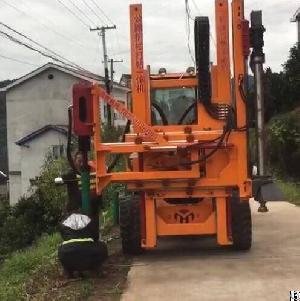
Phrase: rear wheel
pixel 241 224
pixel 130 224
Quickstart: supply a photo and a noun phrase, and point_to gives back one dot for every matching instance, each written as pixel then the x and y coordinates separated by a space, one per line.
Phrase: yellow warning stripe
pixel 78 240
pixel 92 181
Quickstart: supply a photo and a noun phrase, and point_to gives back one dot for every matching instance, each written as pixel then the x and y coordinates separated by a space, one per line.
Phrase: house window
pixel 58 151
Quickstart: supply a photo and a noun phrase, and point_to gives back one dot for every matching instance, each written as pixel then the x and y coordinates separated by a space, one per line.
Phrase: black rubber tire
pixel 241 224
pixel 130 224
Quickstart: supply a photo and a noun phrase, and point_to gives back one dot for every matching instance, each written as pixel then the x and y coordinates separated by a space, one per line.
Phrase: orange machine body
pixel 179 198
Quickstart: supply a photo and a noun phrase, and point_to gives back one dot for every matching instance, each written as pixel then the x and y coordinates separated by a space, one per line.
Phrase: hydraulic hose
pixel 69 154
pixel 187 111
pixel 225 135
pixel 241 89
pixel 161 113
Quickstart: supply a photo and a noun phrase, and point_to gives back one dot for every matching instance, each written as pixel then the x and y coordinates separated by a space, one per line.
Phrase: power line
pixel 102 11
pixel 74 14
pixel 189 17
pixel 16 60
pixel 81 11
pixel 38 44
pixel 50 22
pixel 93 11
pixel 43 24
pixel 15 40
pixel 188 30
pixel 188 11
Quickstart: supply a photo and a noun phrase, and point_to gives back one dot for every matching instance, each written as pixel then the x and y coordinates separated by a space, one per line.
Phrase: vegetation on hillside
pixel 33 215
pixel 282 95
pixel 284 144
pixel 282 90
pixel 28 240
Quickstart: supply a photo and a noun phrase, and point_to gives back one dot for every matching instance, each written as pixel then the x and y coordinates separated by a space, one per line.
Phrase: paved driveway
pixel 194 269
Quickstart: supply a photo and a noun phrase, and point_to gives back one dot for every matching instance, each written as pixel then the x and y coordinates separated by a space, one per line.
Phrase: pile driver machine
pixel 187 149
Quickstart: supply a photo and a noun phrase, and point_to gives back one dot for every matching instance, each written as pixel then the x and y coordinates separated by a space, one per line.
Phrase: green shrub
pixel 111 134
pixel 111 191
pixel 16 233
pixel 42 211
pixel 39 213
pixel 4 210
pixel 284 144
pixel 291 191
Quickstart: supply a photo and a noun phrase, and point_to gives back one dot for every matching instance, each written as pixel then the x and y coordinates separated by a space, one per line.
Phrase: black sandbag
pixel 68 233
pixel 82 255
pixel 79 252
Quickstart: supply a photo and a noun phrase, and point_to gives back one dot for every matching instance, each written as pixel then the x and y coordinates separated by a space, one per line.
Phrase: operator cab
pixel 173 98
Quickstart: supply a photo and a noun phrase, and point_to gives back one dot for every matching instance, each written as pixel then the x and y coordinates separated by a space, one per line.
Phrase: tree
pixel 282 90
pixel 275 92
pixel 292 75
pixel 38 213
pixel 284 143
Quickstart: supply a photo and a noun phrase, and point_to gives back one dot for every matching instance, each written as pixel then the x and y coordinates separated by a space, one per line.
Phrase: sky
pixel 49 23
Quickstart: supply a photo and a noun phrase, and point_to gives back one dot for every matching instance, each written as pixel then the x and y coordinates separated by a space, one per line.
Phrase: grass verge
pixel 16 269
pixel 35 274
pixel 291 191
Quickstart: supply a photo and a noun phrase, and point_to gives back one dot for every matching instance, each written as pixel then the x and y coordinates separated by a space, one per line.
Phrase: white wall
pixel 3 189
pixel 34 154
pixel 15 188
pixel 34 104
pixel 119 94
pixel 31 105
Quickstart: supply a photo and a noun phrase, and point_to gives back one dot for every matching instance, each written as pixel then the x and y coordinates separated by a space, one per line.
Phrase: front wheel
pixel 241 224
pixel 130 224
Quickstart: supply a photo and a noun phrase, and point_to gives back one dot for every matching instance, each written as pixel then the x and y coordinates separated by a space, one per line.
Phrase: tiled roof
pixel 58 128
pixel 84 75
pixel 296 16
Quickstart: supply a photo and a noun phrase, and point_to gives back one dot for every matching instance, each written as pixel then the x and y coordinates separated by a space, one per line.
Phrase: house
pixel 125 80
pixel 3 144
pixel 36 114
pixel 3 185
pixel 296 18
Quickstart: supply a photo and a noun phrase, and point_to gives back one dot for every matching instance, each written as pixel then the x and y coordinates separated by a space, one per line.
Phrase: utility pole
pixel 112 71
pixel 102 30
pixel 296 18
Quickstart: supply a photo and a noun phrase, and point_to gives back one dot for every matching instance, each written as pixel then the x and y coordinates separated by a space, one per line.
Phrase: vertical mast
pixel 138 80
pixel 223 56
pixel 238 59
pixel 257 61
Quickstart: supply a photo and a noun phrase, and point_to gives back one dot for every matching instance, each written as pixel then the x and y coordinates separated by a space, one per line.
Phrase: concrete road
pixel 193 269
